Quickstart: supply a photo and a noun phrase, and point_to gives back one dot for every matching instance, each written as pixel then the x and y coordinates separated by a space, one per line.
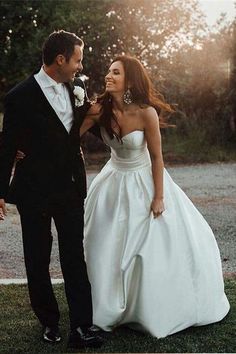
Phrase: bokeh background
pixel 190 60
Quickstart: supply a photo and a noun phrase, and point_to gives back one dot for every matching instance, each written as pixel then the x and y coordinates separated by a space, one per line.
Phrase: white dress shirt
pixel 58 97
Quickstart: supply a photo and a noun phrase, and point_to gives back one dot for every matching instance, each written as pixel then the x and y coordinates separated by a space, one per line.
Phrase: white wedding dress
pixel 155 275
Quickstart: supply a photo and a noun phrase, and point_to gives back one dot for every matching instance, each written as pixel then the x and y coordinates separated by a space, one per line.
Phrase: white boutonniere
pixel 79 96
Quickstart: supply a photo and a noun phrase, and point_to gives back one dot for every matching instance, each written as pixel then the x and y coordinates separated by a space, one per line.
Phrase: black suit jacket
pixel 53 155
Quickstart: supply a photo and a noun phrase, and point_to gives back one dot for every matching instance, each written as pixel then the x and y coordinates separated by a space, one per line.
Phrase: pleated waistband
pixel 130 164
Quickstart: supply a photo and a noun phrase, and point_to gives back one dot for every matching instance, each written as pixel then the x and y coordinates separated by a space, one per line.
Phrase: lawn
pixel 20 331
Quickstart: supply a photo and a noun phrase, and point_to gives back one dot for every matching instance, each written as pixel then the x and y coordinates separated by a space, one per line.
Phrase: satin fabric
pixel 155 275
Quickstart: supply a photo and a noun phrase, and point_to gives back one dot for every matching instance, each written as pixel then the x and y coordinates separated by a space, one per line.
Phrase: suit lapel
pixel 44 106
pixel 77 117
pixel 70 87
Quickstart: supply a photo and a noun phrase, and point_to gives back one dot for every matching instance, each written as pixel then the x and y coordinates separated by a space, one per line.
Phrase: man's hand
pixel 3 210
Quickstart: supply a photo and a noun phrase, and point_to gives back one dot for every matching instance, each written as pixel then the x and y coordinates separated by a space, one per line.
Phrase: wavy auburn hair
pixel 142 90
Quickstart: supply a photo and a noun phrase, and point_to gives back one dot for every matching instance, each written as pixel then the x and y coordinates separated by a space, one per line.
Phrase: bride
pixel 152 259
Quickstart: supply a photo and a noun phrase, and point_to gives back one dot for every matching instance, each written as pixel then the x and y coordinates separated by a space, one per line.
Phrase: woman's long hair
pixel 142 91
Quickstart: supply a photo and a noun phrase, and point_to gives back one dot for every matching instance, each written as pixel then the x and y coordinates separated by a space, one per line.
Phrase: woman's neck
pixel 118 103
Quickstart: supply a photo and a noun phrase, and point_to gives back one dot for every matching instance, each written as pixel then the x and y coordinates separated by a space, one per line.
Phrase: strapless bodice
pixel 130 153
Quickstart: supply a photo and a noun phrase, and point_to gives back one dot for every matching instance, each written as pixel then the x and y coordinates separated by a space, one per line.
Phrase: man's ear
pixel 60 59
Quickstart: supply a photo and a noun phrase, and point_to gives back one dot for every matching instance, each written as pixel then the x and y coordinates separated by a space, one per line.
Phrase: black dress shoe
pixel 95 329
pixel 81 338
pixel 51 334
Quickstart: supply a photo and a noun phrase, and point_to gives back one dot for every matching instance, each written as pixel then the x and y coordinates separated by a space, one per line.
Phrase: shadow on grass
pixel 21 333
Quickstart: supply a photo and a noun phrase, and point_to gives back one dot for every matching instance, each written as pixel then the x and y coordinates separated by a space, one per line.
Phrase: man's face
pixel 68 69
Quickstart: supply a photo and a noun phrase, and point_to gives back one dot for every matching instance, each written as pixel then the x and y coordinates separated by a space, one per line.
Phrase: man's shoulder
pixel 23 88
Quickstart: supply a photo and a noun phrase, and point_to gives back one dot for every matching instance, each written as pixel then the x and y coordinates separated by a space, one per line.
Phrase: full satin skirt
pixel 155 275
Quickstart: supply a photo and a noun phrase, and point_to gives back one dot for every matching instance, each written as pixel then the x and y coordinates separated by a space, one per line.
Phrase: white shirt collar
pixel 46 80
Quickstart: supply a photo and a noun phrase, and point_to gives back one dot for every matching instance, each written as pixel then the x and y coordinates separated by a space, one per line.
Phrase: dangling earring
pixel 128 97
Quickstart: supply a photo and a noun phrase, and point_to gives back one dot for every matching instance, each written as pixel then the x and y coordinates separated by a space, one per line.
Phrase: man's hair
pixel 60 42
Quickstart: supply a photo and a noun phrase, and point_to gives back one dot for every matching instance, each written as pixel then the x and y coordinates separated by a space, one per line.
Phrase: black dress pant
pixel 67 210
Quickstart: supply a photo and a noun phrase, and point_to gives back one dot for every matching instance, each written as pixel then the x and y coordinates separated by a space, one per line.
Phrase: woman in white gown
pixel 152 259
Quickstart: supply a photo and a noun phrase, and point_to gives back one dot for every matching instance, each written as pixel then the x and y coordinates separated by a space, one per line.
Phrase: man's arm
pixel 8 146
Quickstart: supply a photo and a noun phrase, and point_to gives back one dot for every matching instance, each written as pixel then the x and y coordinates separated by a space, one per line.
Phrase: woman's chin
pixel 109 91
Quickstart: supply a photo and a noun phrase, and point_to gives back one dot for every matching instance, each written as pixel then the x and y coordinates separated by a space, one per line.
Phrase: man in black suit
pixel 42 118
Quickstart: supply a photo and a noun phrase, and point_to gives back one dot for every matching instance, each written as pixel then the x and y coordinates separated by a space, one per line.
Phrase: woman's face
pixel 115 78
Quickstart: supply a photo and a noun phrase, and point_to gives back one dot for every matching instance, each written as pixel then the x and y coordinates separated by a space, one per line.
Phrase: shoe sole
pixel 46 339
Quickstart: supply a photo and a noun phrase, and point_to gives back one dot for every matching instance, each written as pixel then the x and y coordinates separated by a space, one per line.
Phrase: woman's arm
pixel 153 137
pixel 91 118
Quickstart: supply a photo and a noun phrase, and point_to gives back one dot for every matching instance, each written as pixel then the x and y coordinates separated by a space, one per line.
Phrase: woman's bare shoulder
pixel 148 111
pixel 148 115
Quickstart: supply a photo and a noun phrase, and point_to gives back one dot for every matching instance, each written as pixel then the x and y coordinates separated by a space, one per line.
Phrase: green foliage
pixel 141 28
pixel 24 25
pixel 198 80
pixel 194 68
pixel 150 30
pixel 232 88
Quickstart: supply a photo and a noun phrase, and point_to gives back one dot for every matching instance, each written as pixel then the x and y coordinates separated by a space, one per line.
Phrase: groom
pixel 42 119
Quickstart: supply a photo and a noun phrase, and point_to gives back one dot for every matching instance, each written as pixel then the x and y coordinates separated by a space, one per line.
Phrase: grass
pixel 20 331
pixel 194 149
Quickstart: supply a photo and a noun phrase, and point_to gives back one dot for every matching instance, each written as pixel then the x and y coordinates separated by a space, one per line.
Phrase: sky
pixel 213 9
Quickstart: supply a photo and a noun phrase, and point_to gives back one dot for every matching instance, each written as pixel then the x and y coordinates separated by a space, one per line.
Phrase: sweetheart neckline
pixel 124 136
pixel 133 131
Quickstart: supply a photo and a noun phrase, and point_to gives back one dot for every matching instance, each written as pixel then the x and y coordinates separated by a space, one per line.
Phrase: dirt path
pixel 212 188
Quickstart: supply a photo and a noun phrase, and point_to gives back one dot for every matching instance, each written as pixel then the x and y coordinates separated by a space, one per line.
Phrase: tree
pixel 149 30
pixel 198 80
pixel 232 92
pixel 23 26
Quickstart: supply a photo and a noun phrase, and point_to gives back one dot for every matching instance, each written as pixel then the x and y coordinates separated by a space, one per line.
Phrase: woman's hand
pixel 20 155
pixel 3 209
pixel 157 207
